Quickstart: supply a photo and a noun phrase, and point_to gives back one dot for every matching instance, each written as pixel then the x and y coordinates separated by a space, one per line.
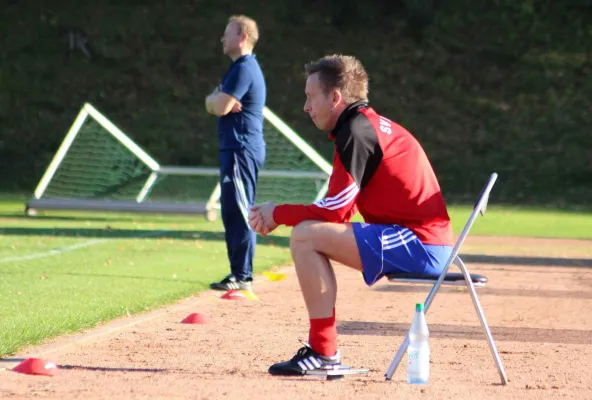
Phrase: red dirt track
pixel 537 304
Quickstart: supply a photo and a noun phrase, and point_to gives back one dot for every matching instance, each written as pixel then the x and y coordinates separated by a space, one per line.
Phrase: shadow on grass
pixel 109 233
pixel 202 284
pixel 279 241
pixel 117 218
pixel 140 218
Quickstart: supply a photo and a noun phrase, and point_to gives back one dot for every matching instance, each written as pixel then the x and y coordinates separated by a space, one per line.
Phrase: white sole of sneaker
pixel 337 373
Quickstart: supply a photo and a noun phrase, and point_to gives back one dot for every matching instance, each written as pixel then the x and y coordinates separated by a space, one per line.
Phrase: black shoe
pixel 306 359
pixel 231 283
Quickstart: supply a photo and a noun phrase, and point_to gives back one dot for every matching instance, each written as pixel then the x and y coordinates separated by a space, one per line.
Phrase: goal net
pixel 98 167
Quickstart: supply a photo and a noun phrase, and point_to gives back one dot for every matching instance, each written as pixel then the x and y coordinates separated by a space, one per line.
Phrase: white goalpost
pixel 98 167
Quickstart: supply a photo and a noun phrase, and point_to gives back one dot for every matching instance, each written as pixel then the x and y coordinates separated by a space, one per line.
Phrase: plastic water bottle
pixel 418 352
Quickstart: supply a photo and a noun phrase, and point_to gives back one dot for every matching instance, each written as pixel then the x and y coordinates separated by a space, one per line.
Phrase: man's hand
pixel 210 100
pixel 237 107
pixel 261 218
pixel 256 222
pixel 219 103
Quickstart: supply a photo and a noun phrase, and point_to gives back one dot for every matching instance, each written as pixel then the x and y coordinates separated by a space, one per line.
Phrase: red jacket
pixel 380 170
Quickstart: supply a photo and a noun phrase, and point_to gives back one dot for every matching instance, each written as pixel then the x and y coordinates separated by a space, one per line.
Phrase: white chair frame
pixel 471 282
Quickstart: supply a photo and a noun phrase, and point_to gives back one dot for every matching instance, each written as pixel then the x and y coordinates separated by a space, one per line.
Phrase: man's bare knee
pixel 302 235
pixel 334 241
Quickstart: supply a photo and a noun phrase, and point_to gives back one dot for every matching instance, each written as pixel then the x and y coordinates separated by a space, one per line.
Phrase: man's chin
pixel 231 54
pixel 321 127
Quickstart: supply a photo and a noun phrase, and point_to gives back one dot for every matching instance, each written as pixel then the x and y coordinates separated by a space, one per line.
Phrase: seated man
pixel 380 170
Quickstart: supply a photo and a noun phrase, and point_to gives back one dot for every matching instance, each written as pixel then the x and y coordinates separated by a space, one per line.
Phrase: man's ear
pixel 244 38
pixel 336 97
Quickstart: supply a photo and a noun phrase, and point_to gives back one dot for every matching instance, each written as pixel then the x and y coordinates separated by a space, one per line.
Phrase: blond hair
pixel 345 73
pixel 248 26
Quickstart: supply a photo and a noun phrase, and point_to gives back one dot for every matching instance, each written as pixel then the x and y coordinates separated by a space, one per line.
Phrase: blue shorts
pixel 388 249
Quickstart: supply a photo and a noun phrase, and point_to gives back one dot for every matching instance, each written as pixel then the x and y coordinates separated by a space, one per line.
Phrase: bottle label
pixel 418 365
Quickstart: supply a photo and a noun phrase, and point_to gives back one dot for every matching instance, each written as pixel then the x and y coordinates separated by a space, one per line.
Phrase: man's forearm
pixel 219 103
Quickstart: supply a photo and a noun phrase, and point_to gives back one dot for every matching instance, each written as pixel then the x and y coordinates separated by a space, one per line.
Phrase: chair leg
pixel 479 310
pixel 403 348
pixel 397 360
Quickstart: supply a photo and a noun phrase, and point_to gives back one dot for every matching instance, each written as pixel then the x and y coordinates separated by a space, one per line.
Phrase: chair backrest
pixel 483 199
pixel 479 208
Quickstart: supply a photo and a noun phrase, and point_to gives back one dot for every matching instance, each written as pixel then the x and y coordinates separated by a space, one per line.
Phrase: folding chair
pixel 470 280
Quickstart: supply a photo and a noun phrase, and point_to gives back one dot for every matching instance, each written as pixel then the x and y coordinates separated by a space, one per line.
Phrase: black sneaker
pixel 306 359
pixel 231 283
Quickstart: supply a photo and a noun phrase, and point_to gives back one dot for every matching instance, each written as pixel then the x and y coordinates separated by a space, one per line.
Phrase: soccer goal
pixel 98 167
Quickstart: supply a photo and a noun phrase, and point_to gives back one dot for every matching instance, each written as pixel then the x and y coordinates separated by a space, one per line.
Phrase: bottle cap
pixel 419 307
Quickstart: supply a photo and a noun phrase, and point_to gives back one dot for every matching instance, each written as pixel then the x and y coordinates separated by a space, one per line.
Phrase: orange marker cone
pixel 36 366
pixel 195 318
pixel 234 295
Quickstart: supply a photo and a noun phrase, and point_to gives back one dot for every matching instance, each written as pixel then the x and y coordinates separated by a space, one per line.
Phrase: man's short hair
pixel 345 73
pixel 246 25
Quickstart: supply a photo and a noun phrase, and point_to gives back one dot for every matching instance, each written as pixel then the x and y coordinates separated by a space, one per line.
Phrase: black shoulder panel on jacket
pixel 359 150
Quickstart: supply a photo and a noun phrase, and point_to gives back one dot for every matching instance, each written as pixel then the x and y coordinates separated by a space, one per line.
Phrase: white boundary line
pixel 53 252
pixel 73 247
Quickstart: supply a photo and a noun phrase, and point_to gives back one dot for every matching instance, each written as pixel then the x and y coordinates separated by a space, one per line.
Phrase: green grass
pixel 140 262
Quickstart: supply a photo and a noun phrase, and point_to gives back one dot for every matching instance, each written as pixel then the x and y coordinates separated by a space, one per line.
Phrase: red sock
pixel 323 335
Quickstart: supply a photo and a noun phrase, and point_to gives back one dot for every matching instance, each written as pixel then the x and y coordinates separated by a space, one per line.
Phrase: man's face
pixel 231 39
pixel 321 107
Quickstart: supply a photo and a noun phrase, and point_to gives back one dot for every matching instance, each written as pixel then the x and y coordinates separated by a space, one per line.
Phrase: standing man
pixel 238 103
pixel 379 169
